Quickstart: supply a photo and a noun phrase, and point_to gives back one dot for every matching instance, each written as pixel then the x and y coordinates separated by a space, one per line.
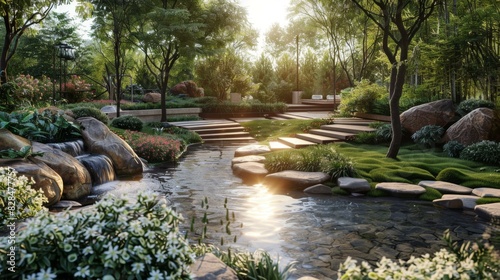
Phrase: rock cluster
pixel 59 174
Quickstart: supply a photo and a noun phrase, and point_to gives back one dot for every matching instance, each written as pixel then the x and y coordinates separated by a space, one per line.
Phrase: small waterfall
pixel 74 148
pixel 100 168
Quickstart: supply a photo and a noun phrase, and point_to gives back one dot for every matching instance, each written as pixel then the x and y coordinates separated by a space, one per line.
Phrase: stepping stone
pixel 468 201
pixel 354 185
pixel 294 180
pixel 446 187
pixel 454 203
pixel 319 189
pixel 209 266
pixel 251 158
pixel 486 192
pixel 404 190
pixel 278 146
pixel 253 149
pixel 250 172
pixel 66 204
pixel 489 211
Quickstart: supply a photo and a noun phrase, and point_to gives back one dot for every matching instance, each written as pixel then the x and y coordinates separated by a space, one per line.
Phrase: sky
pixel 261 14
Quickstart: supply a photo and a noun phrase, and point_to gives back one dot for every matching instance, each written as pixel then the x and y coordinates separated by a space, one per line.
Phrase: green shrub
pixel 17 199
pixel 80 112
pixel 484 151
pixel 367 138
pixel 453 148
pixel 117 240
pixel 127 122
pixel 457 262
pixel 428 135
pixel 384 132
pixel 470 105
pixel 227 107
pixel 361 98
pixel 323 158
pixel 153 148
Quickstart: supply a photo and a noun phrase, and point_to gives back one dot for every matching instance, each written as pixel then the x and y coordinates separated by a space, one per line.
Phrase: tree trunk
pixel 398 74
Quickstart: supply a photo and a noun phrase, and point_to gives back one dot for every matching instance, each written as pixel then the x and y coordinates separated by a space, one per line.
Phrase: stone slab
pixel 295 180
pixel 403 190
pixel 469 201
pixel 319 189
pixel 449 203
pixel 250 172
pixel 446 187
pixel 251 158
pixel 489 211
pixel 209 267
pixel 354 185
pixel 486 192
pixel 253 149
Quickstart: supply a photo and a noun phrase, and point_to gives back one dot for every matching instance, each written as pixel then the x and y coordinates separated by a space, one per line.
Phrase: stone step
pixel 333 134
pixel 292 117
pixel 231 139
pixel 278 146
pixel 200 122
pixel 348 128
pixel 320 139
pixel 295 142
pixel 211 125
pixel 225 135
pixel 202 132
pixel 353 121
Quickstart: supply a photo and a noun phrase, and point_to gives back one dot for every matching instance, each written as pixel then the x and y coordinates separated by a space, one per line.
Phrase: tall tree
pixel 18 16
pixel 399 22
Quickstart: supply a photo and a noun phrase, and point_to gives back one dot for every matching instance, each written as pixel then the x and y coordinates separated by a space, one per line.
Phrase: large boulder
pixel 45 178
pixel 100 140
pixel 152 97
pixel 480 124
pixel 440 113
pixel 76 178
pixel 188 88
pixel 9 140
pixel 294 180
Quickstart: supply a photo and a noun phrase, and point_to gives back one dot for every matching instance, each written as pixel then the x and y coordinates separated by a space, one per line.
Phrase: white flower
pixel 45 274
pixel 82 271
pixel 137 267
pixel 160 256
pixel 88 250
pixel 112 253
pixel 155 275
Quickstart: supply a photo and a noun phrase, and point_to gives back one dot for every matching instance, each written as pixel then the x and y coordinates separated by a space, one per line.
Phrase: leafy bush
pixel 453 148
pixel 428 135
pixel 118 240
pixel 361 98
pixel 470 105
pixel 127 122
pixel 80 112
pixel 77 90
pixel 45 127
pixel 33 91
pixel 466 262
pixel 322 158
pixel 367 138
pixel 484 151
pixel 227 107
pixel 153 148
pixel 384 132
pixel 17 199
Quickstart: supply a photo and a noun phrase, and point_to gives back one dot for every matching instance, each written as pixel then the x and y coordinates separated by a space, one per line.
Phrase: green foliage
pixel 430 194
pixel 153 148
pixel 428 135
pixel 80 112
pixel 453 148
pixel 406 175
pixel 25 152
pixel 256 265
pixel 127 122
pixel 45 127
pixel 8 99
pixel 367 138
pixel 117 240
pixel 361 98
pixel 33 91
pixel 17 199
pixel 323 158
pixel 470 105
pixel 384 132
pixel 488 200
pixel 227 107
pixel 484 151
pixel 469 178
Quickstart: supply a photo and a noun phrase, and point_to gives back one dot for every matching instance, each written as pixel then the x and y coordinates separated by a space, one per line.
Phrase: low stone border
pixel 454 196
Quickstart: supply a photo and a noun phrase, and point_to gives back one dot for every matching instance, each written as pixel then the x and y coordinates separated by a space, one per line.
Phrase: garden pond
pixel 317 232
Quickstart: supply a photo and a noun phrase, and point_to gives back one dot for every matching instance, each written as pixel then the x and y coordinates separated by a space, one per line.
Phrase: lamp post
pixel 65 52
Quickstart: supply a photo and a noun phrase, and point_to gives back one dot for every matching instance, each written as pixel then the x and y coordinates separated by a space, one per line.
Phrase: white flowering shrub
pixel 465 262
pixel 17 199
pixel 116 240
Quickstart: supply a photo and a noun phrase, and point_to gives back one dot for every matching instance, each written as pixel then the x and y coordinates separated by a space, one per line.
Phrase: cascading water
pixel 74 148
pixel 100 168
